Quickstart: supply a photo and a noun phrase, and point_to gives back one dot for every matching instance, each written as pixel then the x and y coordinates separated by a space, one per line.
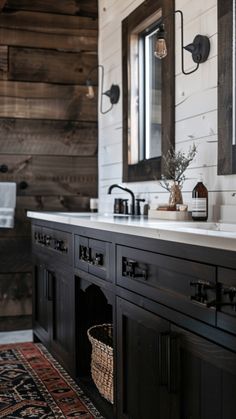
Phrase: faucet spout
pixel 115 185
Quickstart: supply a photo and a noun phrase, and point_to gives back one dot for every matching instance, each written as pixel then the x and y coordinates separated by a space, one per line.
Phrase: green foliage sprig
pixel 175 163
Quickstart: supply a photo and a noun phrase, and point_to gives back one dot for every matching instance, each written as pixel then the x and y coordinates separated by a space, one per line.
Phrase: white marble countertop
pixel 208 234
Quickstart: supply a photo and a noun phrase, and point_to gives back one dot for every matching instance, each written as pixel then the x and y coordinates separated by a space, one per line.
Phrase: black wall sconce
pixel 199 48
pixel 113 93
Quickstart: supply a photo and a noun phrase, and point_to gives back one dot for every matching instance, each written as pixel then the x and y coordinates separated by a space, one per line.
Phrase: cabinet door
pixel 63 320
pixel 42 305
pixel 207 379
pixel 144 353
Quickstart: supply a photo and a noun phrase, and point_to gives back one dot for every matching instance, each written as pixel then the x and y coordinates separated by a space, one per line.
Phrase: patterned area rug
pixel 34 385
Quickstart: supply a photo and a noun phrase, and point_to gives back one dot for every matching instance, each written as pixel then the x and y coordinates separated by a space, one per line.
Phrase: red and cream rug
pixel 34 385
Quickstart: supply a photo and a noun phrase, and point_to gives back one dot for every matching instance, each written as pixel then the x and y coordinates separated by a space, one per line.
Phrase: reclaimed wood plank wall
pixel 48 128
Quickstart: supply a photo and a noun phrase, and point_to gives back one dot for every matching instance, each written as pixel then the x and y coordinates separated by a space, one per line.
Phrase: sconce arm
pixel 182 45
pixel 89 83
pixel 189 47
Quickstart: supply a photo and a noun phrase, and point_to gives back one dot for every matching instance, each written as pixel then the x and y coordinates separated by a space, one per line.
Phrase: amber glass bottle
pixel 200 202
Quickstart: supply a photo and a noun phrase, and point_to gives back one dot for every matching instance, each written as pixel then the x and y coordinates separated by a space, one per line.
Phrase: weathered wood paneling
pixel 53 203
pixel 15 294
pixel 3 59
pixel 81 185
pixel 84 40
pixel 37 137
pixel 15 255
pixel 47 175
pixel 46 22
pixel 49 167
pixel 48 127
pixel 22 226
pixel 70 7
pixel 29 64
pixel 46 101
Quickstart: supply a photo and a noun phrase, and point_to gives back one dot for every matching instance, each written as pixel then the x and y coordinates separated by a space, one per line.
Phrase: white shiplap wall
pixel 196 105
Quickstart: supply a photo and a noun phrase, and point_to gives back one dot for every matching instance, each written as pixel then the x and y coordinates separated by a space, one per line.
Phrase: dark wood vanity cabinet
pixel 54 299
pixel 207 378
pixel 143 376
pixel 54 312
pixel 173 312
pixel 167 372
pixel 42 314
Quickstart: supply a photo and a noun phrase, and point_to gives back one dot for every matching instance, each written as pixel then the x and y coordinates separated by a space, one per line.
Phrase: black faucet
pixel 115 185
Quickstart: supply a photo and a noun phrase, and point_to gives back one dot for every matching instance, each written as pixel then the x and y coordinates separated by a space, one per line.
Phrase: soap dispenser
pixel 200 201
pixel 138 209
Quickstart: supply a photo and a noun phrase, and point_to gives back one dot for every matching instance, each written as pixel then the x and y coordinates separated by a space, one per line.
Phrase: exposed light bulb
pixel 160 48
pixel 90 94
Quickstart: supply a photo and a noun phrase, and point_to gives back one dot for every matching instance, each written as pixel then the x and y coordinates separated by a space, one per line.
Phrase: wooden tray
pixel 170 215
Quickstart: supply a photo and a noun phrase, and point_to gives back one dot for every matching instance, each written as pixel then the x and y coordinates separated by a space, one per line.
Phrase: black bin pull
pixel 169 361
pixel 50 285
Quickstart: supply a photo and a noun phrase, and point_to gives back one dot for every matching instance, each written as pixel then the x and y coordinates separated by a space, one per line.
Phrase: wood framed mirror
pixel 148 91
pixel 226 87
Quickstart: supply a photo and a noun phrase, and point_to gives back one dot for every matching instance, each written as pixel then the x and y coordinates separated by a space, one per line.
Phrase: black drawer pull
pixel 200 294
pixel 84 253
pixel 131 269
pixel 231 292
pixel 202 284
pixel 98 260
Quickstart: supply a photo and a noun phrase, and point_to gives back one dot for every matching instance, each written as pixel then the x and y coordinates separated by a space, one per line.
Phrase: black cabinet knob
pixel 3 168
pixel 23 185
pixel 98 259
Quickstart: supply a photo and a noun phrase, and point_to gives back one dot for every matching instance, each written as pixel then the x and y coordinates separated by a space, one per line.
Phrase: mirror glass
pixel 145 89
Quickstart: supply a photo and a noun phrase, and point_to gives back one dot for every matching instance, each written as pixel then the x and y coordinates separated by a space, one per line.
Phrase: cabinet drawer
pixel 52 242
pixel 184 285
pixel 226 313
pixel 93 256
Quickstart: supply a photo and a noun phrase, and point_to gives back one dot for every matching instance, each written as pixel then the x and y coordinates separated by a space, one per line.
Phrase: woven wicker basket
pixel 101 340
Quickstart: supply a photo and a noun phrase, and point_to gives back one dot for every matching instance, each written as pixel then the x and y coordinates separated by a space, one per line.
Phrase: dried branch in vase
pixel 175 165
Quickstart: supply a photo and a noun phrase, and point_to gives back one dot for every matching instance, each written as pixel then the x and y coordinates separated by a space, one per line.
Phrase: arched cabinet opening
pixel 94 307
